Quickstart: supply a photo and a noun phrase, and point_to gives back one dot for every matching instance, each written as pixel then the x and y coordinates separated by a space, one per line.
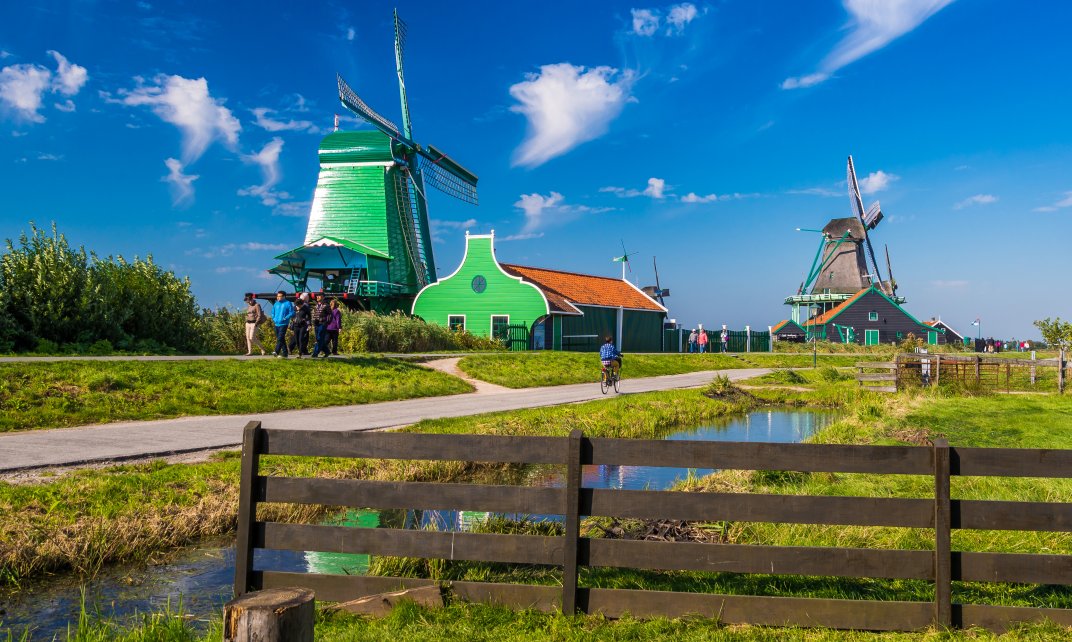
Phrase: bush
pixel 831 374
pixel 787 376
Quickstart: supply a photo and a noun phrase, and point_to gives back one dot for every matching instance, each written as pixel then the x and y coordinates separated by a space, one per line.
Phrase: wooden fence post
pixel 275 615
pixel 937 369
pixel 943 608
pixel 573 522
pixel 1061 371
pixel 247 507
pixel 978 367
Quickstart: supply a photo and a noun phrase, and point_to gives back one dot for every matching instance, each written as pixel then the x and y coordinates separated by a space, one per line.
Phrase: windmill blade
pixel 889 273
pixel 353 102
pixel 873 215
pixel 658 287
pixel 447 176
pixel 858 209
pixel 406 195
pixel 400 46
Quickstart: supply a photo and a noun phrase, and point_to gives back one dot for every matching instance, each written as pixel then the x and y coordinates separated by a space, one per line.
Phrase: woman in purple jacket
pixel 333 327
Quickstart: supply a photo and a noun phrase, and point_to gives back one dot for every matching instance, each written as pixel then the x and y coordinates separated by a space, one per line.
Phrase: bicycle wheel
pixel 617 380
pixel 604 383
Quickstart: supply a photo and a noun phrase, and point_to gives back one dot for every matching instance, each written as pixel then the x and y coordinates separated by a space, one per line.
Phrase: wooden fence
pixel 942 566
pixel 986 373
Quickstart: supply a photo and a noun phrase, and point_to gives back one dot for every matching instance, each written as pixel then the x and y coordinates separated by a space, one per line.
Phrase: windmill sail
pixel 447 176
pixel 400 45
pixel 858 208
pixel 353 102
pixel 409 216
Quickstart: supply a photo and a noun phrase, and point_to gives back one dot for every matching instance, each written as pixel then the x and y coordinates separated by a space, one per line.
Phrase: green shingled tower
pixel 368 241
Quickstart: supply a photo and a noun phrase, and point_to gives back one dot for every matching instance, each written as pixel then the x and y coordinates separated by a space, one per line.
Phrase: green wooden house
pixel 870 317
pixel 539 308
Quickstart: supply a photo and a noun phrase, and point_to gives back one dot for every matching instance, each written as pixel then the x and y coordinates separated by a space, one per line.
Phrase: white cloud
pixel 541 211
pixel 645 22
pixel 655 189
pixel 681 15
pixel 978 199
pixel 350 33
pixel 266 121
pixel 21 87
pixel 293 208
pixel 439 227
pixel 877 182
pixel 873 25
pixel 5 54
pixel 49 157
pixel 693 197
pixel 187 104
pixel 567 105
pixel 1063 203
pixel 268 160
pixel 816 191
pixel 274 247
pixel 182 185
pixel 69 77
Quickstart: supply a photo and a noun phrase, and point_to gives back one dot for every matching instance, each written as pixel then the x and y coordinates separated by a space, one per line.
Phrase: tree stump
pixel 272 615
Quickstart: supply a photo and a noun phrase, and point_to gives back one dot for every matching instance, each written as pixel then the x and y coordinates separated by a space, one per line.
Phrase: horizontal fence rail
pixel 571 552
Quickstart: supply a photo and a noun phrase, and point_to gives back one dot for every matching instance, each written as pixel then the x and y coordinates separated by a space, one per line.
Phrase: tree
pixel 1056 333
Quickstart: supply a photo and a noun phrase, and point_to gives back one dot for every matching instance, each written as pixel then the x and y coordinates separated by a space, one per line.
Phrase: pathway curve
pixel 131 440
pixel 450 366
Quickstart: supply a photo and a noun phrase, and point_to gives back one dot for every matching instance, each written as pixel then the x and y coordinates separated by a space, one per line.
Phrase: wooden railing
pixel 942 566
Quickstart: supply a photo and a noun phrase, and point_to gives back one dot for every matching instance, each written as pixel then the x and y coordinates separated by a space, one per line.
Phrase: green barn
pixel 538 308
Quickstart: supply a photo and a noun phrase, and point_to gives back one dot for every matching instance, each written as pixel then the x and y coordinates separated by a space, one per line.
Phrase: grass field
pixel 52 395
pixel 559 368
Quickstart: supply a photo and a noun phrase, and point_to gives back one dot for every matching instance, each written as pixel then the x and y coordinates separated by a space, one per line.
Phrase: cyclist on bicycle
pixel 609 355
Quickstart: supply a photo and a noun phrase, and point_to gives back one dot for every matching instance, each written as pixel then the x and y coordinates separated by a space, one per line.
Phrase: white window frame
pixel 450 325
pixel 872 313
pixel 491 323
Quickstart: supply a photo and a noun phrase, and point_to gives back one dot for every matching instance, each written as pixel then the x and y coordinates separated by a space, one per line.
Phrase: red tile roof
pixel 833 312
pixel 563 289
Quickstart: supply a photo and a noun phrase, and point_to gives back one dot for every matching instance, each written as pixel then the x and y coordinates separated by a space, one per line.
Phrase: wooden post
pixel 943 589
pixel 573 522
pixel 978 367
pixel 937 368
pixel 273 615
pixel 247 507
pixel 1033 355
pixel 1061 371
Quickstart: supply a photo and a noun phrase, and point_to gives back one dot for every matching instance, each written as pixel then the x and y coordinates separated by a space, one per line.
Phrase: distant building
pixel 543 308
pixel 789 330
pixel 870 317
pixel 951 335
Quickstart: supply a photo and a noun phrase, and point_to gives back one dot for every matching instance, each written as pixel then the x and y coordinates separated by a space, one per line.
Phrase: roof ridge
pixel 588 276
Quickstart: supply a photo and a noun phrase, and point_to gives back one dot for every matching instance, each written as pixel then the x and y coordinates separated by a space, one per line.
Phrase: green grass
pixel 559 368
pixel 482 623
pixel 52 395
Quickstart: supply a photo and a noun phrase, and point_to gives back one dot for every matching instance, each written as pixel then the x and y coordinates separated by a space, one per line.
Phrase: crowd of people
pixel 699 341
pixel 293 322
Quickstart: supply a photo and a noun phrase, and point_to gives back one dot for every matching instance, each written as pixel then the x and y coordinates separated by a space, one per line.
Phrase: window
pixel 872 316
pixel 498 325
pixel 456 322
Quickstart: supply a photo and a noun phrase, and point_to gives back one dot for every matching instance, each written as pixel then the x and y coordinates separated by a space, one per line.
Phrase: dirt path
pixel 450 366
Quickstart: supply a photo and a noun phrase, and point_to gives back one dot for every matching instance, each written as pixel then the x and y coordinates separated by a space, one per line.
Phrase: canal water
pixel 198 580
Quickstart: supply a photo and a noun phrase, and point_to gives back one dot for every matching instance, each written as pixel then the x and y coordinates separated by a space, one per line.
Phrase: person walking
pixel 332 329
pixel 299 326
pixel 321 315
pixel 725 339
pixel 282 313
pixel 692 341
pixel 254 318
pixel 701 340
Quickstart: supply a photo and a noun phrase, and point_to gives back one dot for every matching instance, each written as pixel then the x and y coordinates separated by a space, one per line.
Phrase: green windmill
pixel 368 241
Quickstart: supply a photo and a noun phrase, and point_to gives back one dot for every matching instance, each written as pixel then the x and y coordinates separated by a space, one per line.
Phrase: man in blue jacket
pixel 282 311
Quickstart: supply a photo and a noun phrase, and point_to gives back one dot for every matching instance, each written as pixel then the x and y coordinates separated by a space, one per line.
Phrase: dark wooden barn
pixel 788 330
pixel 951 335
pixel 870 317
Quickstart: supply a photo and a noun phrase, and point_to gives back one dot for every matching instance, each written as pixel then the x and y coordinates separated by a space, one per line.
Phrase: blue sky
pixel 701 133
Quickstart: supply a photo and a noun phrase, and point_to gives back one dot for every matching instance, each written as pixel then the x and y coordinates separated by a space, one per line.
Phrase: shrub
pixel 831 374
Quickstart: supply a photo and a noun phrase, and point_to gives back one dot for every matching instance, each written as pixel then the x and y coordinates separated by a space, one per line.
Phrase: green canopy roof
pixel 332 241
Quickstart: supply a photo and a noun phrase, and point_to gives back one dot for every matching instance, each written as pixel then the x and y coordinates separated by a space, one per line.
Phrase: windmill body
pixel 368 241
pixel 845 262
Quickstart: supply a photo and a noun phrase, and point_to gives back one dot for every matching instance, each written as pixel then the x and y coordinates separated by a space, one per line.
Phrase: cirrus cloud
pixel 978 199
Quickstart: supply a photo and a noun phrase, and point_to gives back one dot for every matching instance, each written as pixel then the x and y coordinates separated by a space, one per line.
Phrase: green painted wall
pixel 357 202
pixel 503 294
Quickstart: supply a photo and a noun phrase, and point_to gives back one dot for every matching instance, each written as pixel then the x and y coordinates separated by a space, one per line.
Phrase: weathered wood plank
pixel 1002 618
pixel 252 437
pixel 1012 567
pixel 862 615
pixel 396 445
pixel 1012 462
pixel 743 558
pixel 943 565
pixel 858 511
pixel 374 494
pixel 516 596
pixel 1012 516
pixel 338 588
pixel 877 364
pixel 573 521
pixel 908 460
pixel 876 377
pixel 477 547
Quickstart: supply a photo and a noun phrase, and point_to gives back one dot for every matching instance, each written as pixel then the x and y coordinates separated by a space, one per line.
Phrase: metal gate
pixel 515 337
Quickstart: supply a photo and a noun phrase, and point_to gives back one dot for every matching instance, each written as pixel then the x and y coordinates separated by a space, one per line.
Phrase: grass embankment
pixel 550 368
pixel 52 395
pixel 127 513
pixel 481 623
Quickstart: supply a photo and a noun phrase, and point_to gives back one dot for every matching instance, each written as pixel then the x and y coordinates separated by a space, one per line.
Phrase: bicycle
pixel 608 378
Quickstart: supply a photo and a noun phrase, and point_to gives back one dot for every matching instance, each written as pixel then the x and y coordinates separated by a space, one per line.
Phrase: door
pixel 932 337
pixel 870 337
